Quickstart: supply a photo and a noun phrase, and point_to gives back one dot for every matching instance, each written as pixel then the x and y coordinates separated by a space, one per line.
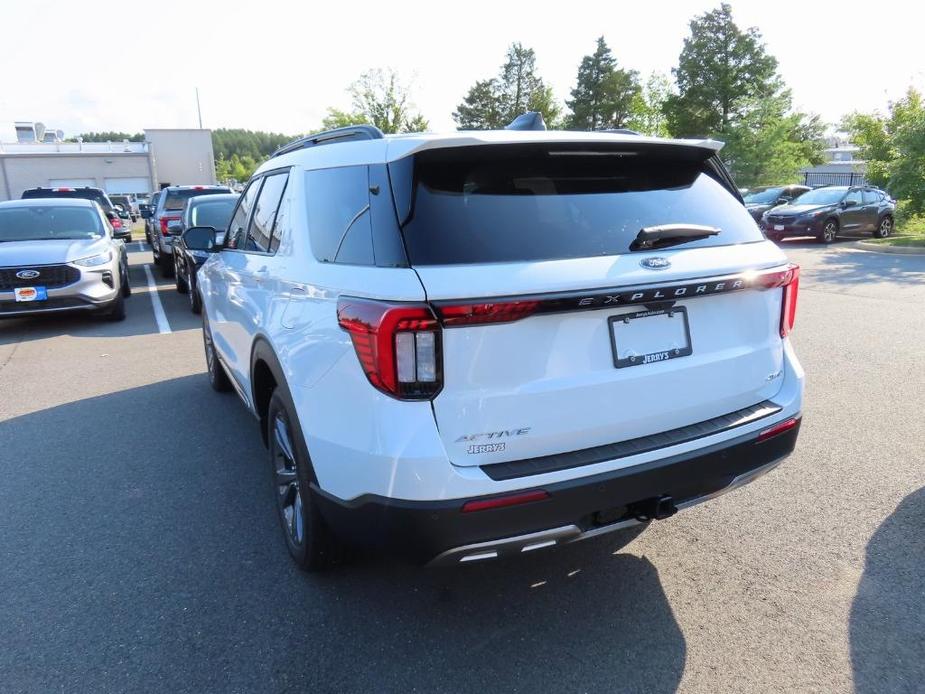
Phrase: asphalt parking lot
pixel 139 550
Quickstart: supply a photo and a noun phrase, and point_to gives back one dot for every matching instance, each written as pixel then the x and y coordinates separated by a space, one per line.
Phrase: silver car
pixel 60 255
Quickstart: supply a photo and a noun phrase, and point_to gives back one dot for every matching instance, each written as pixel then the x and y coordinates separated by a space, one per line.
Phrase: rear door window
pixel 511 203
pixel 237 231
pixel 177 198
pixel 261 229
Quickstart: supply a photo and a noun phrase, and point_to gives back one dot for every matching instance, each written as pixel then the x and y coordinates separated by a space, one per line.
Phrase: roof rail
pixel 330 137
pixel 531 120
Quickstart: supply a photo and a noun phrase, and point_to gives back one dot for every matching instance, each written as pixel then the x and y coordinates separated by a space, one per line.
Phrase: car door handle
pixel 261 274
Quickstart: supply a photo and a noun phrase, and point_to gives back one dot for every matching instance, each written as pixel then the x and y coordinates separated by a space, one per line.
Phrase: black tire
pixel 117 312
pixel 829 231
pixel 178 280
pixel 310 542
pixel 195 301
pixel 126 286
pixel 165 263
pixel 218 379
pixel 884 228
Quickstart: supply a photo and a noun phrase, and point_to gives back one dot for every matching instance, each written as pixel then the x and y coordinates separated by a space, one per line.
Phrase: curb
pixel 884 248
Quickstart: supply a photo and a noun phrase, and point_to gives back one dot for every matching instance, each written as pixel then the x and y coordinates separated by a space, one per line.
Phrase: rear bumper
pixel 440 533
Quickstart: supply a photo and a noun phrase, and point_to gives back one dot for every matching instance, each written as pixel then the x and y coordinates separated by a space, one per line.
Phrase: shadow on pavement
pixel 859 267
pixel 141 551
pixel 888 616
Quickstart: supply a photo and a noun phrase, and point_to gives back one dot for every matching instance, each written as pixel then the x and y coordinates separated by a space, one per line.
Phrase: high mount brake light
pixel 398 345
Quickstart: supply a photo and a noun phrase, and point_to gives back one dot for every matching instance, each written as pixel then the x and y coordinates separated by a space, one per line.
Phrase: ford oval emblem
pixel 28 274
pixel 656 263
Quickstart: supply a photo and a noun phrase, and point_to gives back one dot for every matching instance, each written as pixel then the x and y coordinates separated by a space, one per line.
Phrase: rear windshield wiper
pixel 663 235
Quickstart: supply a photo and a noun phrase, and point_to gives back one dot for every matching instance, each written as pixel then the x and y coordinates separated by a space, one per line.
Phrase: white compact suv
pixel 468 346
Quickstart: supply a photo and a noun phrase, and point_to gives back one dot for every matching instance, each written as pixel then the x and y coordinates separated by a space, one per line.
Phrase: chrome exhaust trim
pixel 567 534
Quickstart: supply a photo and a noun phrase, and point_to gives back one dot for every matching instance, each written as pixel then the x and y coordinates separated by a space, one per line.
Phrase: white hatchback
pixel 467 346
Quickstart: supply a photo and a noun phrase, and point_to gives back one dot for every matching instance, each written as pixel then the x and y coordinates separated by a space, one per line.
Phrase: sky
pixel 277 66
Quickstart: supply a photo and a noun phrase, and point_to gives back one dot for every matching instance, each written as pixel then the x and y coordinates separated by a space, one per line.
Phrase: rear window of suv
pixel 94 194
pixel 530 202
pixel 176 198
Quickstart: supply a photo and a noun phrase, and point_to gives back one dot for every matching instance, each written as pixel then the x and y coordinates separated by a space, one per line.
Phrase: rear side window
pixel 265 212
pixel 512 203
pixel 338 215
pixel 176 198
pixel 212 213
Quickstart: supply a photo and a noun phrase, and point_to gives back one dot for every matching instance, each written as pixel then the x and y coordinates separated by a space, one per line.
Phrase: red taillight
pixel 778 429
pixel 116 223
pixel 494 312
pixel 789 280
pixel 502 501
pixel 165 222
pixel 398 345
pixel 64 190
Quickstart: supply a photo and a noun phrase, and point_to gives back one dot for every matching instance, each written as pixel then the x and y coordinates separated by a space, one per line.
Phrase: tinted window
pixel 176 198
pixel 765 196
pixel 93 194
pixel 237 232
pixel 265 212
pixel 871 197
pixel 212 213
pixel 49 222
pixel 552 201
pixel 854 195
pixel 338 215
pixel 821 196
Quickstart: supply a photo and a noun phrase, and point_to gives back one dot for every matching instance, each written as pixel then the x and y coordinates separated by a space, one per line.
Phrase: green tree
pixel 728 87
pixel 722 73
pixel 493 103
pixel 894 148
pixel 604 94
pixel 379 98
pixel 253 143
pixel 647 111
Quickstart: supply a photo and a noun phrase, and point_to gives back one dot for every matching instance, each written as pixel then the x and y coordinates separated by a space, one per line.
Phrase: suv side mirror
pixel 783 200
pixel 200 239
pixel 849 203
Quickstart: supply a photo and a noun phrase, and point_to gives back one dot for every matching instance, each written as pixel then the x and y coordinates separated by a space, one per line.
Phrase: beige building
pixel 166 157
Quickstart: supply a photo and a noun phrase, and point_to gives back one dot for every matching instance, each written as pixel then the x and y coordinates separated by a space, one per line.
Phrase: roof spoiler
pixel 330 137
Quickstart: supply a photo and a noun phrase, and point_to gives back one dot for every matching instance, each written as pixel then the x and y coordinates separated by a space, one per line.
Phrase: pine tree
pixel 604 94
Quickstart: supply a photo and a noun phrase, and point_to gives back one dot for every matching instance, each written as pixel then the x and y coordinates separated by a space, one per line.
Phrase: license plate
pixel 778 227
pixel 646 337
pixel 30 293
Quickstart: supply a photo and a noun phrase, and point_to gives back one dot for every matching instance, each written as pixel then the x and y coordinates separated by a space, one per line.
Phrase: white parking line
pixel 162 325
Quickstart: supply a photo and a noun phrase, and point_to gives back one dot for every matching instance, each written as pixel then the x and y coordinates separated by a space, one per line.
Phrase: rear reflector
pixel 778 429
pixel 495 312
pixel 503 501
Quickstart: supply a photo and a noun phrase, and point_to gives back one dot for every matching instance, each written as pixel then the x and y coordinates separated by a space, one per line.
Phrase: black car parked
pixel 826 212
pixel 200 211
pixel 760 200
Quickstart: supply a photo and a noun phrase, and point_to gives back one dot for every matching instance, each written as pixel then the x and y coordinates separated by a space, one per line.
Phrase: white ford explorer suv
pixel 470 346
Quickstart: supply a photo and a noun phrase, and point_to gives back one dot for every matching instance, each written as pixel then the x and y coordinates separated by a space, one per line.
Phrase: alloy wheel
pixel 288 493
pixel 886 227
pixel 828 233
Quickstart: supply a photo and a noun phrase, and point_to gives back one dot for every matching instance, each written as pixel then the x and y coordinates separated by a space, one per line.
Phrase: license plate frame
pixel 27 295
pixel 654 356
